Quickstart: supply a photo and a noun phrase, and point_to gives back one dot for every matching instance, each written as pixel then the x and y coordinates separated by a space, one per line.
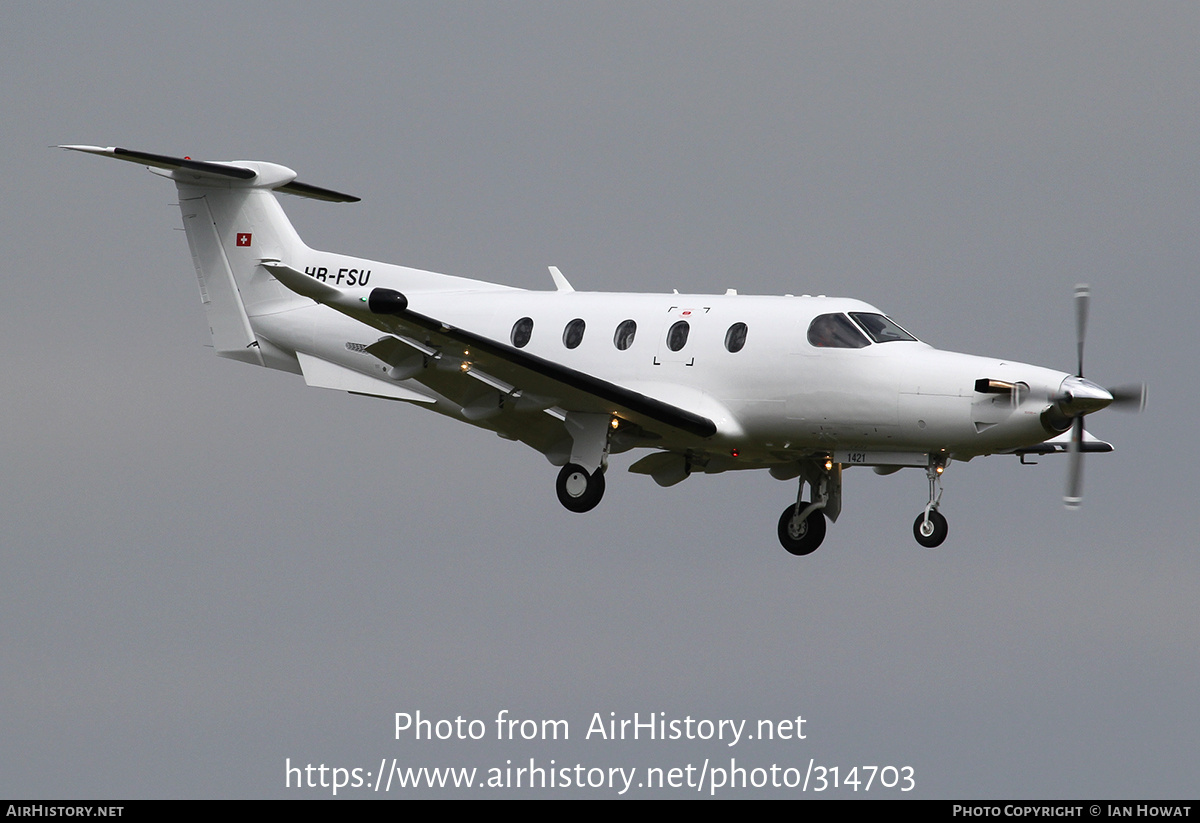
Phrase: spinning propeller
pixel 1078 398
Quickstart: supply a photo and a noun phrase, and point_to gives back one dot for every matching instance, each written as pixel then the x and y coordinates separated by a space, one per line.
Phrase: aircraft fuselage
pixel 777 395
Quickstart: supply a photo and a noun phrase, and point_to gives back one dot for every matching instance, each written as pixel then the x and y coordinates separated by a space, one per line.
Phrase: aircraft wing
pixel 1062 445
pixel 446 358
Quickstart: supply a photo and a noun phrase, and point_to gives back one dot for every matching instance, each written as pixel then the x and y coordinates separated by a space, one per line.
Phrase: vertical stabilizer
pixel 230 232
pixel 233 223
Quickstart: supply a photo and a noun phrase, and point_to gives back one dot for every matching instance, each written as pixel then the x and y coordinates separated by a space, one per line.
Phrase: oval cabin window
pixel 623 338
pixel 573 333
pixel 521 332
pixel 735 338
pixel 677 335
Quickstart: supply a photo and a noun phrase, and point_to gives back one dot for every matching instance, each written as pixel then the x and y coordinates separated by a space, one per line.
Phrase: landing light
pixel 828 465
pixel 615 422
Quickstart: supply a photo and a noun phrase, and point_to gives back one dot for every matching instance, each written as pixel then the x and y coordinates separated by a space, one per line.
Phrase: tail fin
pixel 233 223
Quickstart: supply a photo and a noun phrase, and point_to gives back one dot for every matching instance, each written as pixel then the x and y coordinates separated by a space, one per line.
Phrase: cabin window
pixel 573 333
pixel 835 331
pixel 677 335
pixel 880 329
pixel 623 339
pixel 735 338
pixel 521 332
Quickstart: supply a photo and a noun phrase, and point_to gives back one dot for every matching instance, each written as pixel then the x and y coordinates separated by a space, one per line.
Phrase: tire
pixel 935 533
pixel 577 490
pixel 801 537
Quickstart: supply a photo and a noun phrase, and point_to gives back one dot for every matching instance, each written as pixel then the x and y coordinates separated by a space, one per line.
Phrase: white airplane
pixel 801 386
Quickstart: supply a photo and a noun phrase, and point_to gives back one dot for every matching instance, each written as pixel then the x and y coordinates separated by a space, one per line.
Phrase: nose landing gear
pixel 931 527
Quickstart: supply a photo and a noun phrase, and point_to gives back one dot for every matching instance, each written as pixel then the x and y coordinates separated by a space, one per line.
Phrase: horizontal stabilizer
pixel 255 174
pixel 317 193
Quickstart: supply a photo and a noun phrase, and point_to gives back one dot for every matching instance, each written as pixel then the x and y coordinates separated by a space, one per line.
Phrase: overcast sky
pixel 209 568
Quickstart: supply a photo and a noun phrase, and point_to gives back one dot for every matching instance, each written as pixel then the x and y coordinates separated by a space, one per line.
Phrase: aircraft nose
pixel 1078 396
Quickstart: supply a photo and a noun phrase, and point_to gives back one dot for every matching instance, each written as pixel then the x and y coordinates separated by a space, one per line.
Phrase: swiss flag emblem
pixel 243 238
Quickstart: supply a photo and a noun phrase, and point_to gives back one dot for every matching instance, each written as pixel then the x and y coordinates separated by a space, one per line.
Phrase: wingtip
pixel 81 147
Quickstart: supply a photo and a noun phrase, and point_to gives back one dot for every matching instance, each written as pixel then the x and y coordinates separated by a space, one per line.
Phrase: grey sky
pixel 209 568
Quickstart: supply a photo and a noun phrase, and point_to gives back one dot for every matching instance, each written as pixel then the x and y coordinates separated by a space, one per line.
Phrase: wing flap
pixel 325 375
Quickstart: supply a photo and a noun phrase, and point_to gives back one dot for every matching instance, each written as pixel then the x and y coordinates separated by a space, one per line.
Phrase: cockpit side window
pixel 881 329
pixel 835 331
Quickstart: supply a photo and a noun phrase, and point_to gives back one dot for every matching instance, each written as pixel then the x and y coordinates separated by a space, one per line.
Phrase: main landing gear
pixel 801 535
pixel 931 527
pixel 579 487
pixel 802 525
pixel 577 490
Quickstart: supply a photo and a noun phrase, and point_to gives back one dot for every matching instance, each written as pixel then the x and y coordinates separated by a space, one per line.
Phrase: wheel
pixel 933 533
pixel 579 491
pixel 798 536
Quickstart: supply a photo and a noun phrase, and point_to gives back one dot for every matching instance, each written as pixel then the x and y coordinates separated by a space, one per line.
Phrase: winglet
pixel 560 282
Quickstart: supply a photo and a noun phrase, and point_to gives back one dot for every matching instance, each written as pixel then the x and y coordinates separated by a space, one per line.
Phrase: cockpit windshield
pixel 881 329
pixel 835 331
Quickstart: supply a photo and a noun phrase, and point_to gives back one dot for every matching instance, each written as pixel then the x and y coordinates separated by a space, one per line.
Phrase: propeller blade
pixel 1129 398
pixel 1083 295
pixel 1074 496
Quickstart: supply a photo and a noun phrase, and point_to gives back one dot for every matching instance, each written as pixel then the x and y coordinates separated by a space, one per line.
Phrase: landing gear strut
pixel 802 525
pixel 580 487
pixel 577 490
pixel 931 527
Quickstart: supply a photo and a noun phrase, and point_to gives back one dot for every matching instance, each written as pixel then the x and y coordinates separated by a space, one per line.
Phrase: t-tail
pixel 233 224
